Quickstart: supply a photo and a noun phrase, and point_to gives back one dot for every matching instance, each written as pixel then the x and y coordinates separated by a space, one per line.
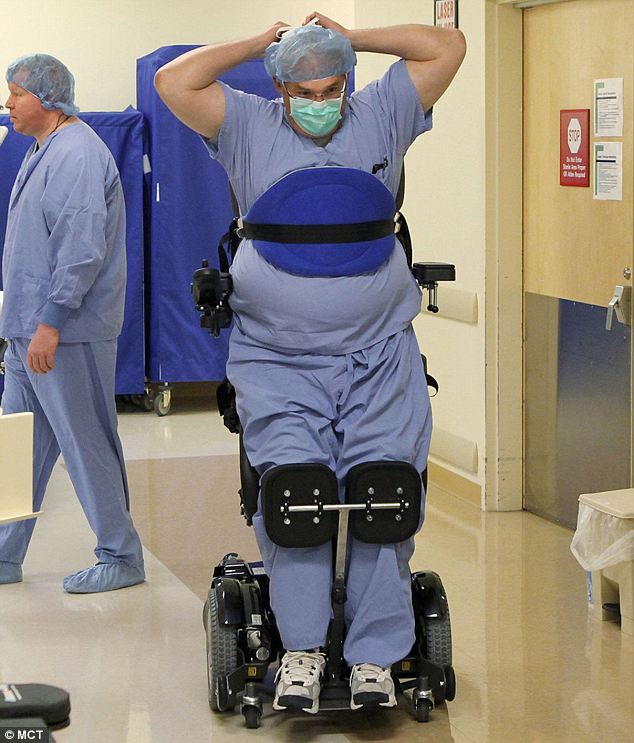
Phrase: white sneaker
pixel 298 681
pixel 370 685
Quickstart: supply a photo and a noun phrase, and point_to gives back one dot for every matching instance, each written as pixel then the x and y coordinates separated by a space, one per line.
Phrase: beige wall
pixel 100 40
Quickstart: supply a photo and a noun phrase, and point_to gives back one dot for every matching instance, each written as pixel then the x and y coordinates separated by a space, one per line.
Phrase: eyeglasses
pixel 331 93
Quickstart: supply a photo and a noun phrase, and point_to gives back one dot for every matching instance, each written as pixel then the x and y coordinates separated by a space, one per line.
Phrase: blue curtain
pixel 188 209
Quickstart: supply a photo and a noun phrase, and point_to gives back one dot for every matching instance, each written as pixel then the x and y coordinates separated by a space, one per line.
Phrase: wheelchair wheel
pixel 422 710
pixel 450 684
pixel 222 655
pixel 438 639
pixel 252 717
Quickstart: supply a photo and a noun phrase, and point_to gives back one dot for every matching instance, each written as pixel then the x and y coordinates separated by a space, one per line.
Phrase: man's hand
pixel 41 352
pixel 325 22
pixel 272 35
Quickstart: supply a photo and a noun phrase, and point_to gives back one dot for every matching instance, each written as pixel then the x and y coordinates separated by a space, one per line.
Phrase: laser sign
pixel 574 147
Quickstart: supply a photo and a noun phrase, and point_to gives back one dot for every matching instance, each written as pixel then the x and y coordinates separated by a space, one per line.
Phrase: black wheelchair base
pixel 243 642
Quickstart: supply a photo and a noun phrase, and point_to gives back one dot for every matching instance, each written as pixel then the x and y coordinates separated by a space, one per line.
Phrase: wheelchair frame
pixel 242 638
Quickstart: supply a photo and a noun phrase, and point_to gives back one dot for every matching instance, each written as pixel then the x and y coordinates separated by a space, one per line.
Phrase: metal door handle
pixel 619 305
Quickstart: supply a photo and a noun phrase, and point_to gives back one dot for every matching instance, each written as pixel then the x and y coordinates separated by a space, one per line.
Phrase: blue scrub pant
pixel 74 412
pixel 339 411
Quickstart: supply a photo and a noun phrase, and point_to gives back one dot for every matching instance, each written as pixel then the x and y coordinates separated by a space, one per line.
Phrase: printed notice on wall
pixel 608 107
pixel 608 171
pixel 446 13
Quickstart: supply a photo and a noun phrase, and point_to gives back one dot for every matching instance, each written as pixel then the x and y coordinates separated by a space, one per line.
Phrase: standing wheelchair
pixel 301 508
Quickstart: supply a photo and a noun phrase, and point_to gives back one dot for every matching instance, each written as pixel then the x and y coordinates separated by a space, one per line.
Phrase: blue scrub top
pixel 64 249
pixel 257 146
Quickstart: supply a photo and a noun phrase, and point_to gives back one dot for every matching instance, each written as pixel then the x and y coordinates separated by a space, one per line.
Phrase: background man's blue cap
pixel 47 79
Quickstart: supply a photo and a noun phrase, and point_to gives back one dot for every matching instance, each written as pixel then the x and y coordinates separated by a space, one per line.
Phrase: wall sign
pixel 608 107
pixel 608 171
pixel 446 13
pixel 574 147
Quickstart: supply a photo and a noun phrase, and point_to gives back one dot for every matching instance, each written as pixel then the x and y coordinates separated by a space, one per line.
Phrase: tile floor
pixel 531 664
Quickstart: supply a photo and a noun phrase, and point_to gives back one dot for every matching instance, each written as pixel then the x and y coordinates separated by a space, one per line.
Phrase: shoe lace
pixel 299 667
pixel 369 672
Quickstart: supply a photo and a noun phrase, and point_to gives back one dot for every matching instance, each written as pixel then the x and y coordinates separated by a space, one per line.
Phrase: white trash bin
pixel 604 546
pixel 16 468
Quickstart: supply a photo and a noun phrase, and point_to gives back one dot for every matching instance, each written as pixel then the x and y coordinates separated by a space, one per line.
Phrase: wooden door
pixel 577 249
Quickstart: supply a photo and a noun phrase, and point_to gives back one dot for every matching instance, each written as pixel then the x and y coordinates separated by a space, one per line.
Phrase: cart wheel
pixel 222 655
pixel 162 403
pixel 251 717
pixel 147 402
pixel 422 708
pixel 138 401
pixel 450 684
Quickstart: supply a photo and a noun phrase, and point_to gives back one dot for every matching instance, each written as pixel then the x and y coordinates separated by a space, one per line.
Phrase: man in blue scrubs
pixel 326 368
pixel 64 276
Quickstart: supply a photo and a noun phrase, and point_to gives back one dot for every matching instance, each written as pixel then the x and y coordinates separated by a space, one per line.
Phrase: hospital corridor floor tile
pixel 531 665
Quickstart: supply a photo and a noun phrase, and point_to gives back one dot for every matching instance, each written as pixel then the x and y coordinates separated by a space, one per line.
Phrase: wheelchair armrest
pixel 432 272
pixel 429 274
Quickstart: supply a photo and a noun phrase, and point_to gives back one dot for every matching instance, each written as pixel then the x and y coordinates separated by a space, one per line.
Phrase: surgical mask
pixel 317 118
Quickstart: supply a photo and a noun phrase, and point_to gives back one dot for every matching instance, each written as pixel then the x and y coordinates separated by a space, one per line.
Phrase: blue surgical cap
pixel 47 79
pixel 309 53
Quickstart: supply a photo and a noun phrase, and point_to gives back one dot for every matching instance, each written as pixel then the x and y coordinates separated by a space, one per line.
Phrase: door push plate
pixel 621 306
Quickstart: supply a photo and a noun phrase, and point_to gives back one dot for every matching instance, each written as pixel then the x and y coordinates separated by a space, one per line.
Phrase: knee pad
pixel 384 482
pixel 299 485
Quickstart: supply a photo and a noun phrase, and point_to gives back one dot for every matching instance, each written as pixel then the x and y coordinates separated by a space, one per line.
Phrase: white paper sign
pixel 608 107
pixel 608 171
pixel 446 13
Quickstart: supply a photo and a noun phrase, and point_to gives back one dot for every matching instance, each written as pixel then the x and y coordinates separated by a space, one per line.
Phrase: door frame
pixel 504 285
pixel 503 261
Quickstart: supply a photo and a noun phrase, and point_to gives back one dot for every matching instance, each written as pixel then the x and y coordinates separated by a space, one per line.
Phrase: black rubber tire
pixel 251 717
pixel 422 711
pixel 222 654
pixel 438 639
pixel 450 684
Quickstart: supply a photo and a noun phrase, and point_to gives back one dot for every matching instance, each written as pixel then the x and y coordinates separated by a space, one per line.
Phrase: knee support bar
pixel 369 485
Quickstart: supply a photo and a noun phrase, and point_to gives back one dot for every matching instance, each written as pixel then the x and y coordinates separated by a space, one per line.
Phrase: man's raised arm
pixel 432 55
pixel 187 85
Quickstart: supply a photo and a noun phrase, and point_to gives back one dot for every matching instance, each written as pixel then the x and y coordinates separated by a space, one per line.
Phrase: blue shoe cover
pixel 104 576
pixel 10 572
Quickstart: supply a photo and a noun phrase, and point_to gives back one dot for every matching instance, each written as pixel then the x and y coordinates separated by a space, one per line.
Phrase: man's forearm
pixel 201 67
pixel 410 41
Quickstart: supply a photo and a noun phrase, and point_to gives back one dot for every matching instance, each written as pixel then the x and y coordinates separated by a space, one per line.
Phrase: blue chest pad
pixel 328 221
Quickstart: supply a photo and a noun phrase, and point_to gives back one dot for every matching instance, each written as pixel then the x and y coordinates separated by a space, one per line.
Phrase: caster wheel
pixel 147 402
pixel 138 402
pixel 422 710
pixel 162 404
pixel 450 684
pixel 251 717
